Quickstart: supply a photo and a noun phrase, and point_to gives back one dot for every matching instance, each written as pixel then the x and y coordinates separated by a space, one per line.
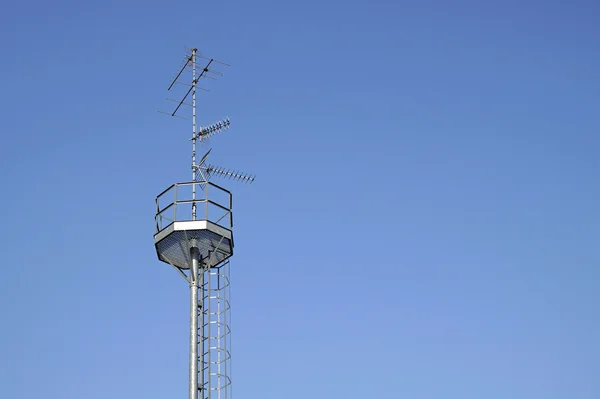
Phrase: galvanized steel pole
pixel 195 254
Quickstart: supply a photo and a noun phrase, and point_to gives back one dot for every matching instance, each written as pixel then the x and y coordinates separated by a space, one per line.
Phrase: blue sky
pixel 424 223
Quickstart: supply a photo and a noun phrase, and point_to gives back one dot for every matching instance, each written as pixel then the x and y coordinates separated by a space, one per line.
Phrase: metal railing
pixel 178 204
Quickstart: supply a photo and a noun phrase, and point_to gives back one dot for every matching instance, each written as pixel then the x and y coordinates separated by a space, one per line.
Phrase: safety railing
pixel 194 201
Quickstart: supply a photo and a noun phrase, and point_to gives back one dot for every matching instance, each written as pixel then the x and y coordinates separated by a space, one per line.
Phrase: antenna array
pixel 204 132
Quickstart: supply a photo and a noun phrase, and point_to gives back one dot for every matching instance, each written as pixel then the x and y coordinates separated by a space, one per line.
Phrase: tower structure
pixel 194 234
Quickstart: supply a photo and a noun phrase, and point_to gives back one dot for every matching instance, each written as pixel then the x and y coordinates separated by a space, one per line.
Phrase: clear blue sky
pixel 424 225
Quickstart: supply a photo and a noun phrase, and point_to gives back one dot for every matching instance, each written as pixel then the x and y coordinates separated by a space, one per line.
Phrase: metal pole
pixel 195 254
pixel 194 132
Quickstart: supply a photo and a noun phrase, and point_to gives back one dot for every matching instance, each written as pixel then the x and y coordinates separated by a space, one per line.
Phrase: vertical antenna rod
pixel 193 59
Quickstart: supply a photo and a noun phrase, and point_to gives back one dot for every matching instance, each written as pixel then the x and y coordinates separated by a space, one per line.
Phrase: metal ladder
pixel 214 333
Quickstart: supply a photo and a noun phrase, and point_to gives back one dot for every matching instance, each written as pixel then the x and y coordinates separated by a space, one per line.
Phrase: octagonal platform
pixel 186 217
pixel 173 243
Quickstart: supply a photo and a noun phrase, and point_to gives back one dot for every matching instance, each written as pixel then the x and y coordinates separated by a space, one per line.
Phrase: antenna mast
pixel 198 242
pixel 193 57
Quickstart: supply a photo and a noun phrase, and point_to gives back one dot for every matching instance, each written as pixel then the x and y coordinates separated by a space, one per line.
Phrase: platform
pixel 174 242
pixel 178 229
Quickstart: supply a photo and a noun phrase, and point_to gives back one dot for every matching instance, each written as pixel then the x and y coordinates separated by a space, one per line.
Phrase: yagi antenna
pixel 205 171
pixel 207 131
pixel 198 72
pixel 235 175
